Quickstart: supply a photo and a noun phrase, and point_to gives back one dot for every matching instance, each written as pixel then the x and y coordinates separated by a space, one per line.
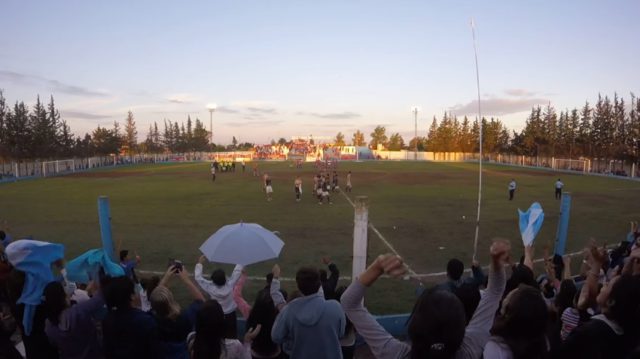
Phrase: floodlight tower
pixel 415 110
pixel 212 108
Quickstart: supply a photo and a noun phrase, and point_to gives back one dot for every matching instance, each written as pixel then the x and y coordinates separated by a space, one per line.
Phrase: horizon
pixel 286 68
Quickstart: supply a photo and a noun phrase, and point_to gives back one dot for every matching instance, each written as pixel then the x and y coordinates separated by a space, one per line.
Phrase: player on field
pixel 267 186
pixel 297 184
pixel 559 186
pixel 512 189
pixel 348 187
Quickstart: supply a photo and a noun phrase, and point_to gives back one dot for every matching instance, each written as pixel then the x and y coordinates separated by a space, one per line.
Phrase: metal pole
pixel 475 52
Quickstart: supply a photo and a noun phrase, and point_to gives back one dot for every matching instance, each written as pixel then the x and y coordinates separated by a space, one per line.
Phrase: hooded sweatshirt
pixel 310 327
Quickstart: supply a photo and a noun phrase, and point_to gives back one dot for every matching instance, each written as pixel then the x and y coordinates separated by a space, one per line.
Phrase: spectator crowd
pixel 92 307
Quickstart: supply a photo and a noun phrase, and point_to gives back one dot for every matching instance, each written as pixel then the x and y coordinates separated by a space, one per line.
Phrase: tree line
pixel 39 132
pixel 609 129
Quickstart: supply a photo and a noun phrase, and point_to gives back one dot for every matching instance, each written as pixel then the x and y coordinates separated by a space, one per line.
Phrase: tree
pixel 339 140
pixel 282 141
pixel 234 142
pixel 464 139
pixel 358 139
pixel 4 150
pixel 43 141
pixel 621 130
pixel 432 136
pixel 130 134
pixel 585 134
pixel 421 142
pixel 105 141
pixel 634 128
pixel 550 119
pixel 200 137
pixel 396 142
pixel 603 128
pixel 378 137
pixel 18 133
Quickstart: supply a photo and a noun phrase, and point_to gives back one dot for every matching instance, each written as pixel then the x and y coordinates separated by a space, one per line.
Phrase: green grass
pixel 167 211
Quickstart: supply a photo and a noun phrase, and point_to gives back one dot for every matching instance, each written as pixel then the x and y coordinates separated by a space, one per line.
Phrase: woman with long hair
pixel 437 327
pixel 71 328
pixel 520 329
pixel 263 313
pixel 209 342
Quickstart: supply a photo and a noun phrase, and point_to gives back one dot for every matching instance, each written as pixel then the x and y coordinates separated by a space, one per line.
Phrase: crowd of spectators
pixel 507 312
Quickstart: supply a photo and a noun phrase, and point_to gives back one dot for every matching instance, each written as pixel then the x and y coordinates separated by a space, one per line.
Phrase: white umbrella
pixel 242 243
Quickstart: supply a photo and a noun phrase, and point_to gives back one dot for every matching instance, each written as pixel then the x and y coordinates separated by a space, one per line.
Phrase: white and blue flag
pixel 530 223
pixel 86 266
pixel 34 258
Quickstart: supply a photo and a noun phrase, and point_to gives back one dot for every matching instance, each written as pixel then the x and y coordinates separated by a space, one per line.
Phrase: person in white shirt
pixel 512 189
pixel 220 288
pixel 559 186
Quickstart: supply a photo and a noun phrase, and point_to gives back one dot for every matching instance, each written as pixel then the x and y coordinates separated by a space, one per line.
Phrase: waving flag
pixel 530 223
pixel 34 258
pixel 87 265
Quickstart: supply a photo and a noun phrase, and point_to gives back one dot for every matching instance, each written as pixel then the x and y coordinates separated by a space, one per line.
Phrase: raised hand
pixel 252 333
pixel 499 252
pixel 276 271
pixel 393 266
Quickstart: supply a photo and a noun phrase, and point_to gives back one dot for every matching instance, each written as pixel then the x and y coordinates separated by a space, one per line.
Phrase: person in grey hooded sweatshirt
pixel 309 326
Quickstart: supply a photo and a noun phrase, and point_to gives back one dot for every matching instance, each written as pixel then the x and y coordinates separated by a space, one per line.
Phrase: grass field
pixel 166 211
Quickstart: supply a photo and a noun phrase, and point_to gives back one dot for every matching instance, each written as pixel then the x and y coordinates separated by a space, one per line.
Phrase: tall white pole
pixel 475 51
pixel 361 223
pixel 211 125
pixel 415 134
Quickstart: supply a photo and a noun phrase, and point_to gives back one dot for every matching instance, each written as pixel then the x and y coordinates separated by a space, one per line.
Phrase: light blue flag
pixel 34 258
pixel 87 265
pixel 530 223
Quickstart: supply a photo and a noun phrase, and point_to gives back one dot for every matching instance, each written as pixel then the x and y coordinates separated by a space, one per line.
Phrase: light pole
pixel 212 108
pixel 415 110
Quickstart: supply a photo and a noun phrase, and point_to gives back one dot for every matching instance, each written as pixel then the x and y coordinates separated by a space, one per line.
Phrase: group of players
pixel 323 185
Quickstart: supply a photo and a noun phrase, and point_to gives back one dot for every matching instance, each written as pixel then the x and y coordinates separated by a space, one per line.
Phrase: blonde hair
pixel 163 303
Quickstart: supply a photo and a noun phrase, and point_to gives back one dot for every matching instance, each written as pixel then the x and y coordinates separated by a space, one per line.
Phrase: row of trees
pixel 608 130
pixel 41 133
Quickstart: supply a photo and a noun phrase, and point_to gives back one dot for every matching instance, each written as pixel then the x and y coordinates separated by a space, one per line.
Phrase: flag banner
pixel 530 223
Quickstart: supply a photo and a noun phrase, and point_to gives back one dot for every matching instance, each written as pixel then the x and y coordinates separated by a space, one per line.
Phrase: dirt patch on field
pixel 123 174
pixel 115 174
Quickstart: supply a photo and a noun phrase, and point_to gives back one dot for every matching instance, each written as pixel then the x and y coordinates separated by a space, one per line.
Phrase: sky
pixel 300 68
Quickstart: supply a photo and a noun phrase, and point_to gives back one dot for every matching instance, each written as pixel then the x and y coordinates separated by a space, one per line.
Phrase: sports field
pixel 426 211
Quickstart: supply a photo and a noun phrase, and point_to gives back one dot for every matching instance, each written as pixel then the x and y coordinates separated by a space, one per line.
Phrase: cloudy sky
pixel 298 68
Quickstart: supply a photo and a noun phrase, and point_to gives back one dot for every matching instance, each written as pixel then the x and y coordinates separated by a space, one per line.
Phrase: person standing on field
pixel 213 174
pixel 348 187
pixel 512 189
pixel 298 188
pixel 267 186
pixel 559 186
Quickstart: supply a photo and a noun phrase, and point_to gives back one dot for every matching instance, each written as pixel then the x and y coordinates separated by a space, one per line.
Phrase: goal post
pixel 572 165
pixel 55 168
